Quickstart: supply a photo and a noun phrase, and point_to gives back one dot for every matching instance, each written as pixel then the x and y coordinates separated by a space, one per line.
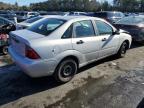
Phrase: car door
pixel 84 40
pixel 109 42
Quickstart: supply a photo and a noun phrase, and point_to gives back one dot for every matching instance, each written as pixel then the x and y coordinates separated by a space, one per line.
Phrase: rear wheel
pixel 5 50
pixel 123 49
pixel 65 71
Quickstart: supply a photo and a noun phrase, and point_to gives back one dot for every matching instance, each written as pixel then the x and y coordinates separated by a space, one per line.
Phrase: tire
pixel 122 51
pixel 5 50
pixel 65 71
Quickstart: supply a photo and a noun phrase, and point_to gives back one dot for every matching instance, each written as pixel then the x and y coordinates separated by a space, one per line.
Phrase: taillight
pixel 30 53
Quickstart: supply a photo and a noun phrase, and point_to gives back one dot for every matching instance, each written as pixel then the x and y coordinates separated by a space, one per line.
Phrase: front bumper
pixel 33 68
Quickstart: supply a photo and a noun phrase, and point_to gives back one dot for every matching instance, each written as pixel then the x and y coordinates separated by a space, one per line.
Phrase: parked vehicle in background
pixel 29 22
pixel 133 14
pixel 50 13
pixel 134 25
pixel 5 27
pixel 24 15
pixel 21 16
pixel 8 15
pixel 32 14
pixel 141 13
pixel 60 45
pixel 75 13
pixel 110 16
pixel 43 12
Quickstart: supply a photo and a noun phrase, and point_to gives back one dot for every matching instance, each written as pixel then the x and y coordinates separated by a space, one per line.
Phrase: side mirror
pixel 116 32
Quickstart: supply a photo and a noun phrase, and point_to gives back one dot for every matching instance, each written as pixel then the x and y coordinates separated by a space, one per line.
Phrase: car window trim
pixel 95 28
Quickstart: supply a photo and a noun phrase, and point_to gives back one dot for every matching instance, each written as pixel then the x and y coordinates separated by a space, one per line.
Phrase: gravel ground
pixel 109 83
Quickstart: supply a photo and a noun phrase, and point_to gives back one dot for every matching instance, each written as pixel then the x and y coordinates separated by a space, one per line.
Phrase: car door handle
pixel 80 42
pixel 104 39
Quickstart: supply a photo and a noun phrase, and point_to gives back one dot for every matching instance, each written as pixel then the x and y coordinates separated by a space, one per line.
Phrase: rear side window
pixel 46 26
pixel 103 28
pixel 83 29
pixel 68 33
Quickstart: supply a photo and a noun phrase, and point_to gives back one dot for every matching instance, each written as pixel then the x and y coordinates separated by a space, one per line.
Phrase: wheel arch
pixel 128 43
pixel 69 57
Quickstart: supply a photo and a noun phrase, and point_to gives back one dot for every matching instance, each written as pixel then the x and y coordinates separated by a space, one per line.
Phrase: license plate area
pixel 18 46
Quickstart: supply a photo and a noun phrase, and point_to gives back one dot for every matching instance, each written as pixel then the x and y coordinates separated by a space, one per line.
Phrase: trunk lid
pixel 19 40
pixel 26 34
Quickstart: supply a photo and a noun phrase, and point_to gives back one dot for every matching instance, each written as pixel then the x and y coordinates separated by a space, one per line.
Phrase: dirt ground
pixel 108 83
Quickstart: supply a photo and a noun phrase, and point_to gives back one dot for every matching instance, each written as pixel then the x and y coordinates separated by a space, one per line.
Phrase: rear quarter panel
pixel 57 50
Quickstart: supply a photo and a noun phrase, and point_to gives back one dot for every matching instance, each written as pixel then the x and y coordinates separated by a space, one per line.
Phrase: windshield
pixel 31 20
pixel 131 20
pixel 46 26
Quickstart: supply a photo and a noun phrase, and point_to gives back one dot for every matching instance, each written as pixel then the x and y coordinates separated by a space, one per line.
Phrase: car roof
pixel 109 12
pixel 70 17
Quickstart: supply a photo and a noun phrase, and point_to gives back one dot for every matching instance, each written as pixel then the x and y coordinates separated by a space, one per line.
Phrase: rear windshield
pixel 31 20
pixel 46 26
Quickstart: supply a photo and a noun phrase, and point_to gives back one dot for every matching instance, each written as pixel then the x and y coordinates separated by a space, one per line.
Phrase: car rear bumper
pixel 33 68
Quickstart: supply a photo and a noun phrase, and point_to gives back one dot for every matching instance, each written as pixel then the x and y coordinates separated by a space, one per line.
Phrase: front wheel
pixel 123 49
pixel 65 70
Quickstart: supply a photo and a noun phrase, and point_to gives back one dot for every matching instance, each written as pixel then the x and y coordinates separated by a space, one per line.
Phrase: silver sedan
pixel 60 45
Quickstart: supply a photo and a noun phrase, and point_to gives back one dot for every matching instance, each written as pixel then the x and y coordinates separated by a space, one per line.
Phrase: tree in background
pixel 66 5
pixel 141 2
pixel 80 5
pixel 4 6
pixel 129 5
pixel 105 6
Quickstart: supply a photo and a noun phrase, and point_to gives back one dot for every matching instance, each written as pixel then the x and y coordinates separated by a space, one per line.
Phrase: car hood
pixel 26 34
